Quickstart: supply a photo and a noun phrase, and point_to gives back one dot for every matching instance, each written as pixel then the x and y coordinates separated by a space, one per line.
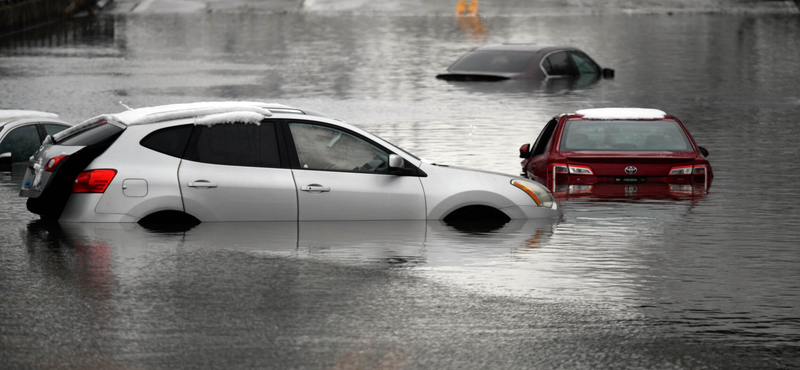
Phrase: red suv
pixel 617 152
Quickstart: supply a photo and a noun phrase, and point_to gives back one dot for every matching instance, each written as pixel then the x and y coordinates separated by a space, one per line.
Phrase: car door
pixel 537 164
pixel 341 175
pixel 234 172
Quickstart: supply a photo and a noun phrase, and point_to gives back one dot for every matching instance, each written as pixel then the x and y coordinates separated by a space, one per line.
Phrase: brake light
pixel 93 181
pixel 572 169
pixel 580 170
pixel 53 162
pixel 682 170
pixel 700 170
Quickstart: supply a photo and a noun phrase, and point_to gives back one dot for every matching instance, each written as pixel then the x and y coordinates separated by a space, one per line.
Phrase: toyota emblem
pixel 631 170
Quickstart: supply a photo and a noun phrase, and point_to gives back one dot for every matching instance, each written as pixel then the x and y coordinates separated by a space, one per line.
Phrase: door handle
pixel 315 188
pixel 202 184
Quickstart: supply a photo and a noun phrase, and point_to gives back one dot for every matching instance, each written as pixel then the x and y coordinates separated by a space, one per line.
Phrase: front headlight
pixel 539 194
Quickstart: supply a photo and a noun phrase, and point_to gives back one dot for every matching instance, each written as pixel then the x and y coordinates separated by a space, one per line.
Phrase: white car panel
pixel 340 196
pixel 214 192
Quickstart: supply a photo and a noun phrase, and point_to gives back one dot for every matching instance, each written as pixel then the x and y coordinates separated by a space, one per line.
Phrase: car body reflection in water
pixel 631 192
pixel 546 85
pixel 365 243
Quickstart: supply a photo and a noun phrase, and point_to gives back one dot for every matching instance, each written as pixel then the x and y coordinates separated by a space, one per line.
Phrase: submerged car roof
pixel 532 48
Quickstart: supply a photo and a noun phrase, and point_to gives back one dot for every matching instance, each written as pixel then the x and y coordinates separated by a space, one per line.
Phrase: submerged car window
pixel 325 148
pixel 22 142
pixel 584 64
pixel 558 64
pixel 170 141
pixel 497 61
pixel 91 136
pixel 665 135
pixel 237 144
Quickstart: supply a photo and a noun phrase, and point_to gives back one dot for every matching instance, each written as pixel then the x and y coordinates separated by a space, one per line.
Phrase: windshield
pixel 641 135
pixel 494 61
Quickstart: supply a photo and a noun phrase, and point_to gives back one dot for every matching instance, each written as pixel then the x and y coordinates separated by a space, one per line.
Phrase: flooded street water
pixel 710 281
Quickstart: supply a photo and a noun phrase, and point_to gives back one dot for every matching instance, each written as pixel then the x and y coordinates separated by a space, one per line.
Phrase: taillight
pixel 53 162
pixel 93 181
pixel 580 170
pixel 682 170
pixel 572 169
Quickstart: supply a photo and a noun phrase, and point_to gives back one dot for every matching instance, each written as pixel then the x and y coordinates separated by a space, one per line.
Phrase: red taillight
pixel 93 181
pixel 53 162
pixel 682 170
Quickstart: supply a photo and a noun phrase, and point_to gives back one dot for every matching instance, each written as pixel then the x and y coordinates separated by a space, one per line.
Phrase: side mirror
pixel 5 162
pixel 704 151
pixel 525 151
pixel 608 73
pixel 396 161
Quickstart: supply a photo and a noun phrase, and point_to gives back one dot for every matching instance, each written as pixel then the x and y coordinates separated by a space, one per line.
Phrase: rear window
pixel 91 136
pixel 623 135
pixel 493 61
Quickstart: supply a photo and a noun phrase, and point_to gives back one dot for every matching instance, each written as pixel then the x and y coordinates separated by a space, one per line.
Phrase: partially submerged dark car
pixel 523 61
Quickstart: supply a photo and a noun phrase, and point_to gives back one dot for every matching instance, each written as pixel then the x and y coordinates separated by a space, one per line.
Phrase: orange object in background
pixel 463 9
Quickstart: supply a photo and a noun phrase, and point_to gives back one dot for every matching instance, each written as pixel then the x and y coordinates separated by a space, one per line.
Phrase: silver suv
pixel 247 161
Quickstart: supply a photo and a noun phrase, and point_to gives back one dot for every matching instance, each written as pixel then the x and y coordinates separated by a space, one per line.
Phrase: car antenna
pixel 123 104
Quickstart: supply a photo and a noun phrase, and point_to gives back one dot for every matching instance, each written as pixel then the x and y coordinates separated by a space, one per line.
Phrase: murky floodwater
pixel 700 282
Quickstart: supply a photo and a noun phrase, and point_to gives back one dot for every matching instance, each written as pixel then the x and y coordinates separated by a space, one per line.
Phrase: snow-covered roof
pixel 18 113
pixel 178 111
pixel 204 113
pixel 621 113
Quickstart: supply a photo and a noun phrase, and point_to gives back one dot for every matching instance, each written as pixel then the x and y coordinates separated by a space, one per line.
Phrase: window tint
pixel 325 148
pixel 493 61
pixel 170 141
pixel 557 64
pixel 544 138
pixel 615 135
pixel 584 63
pixel 51 129
pixel 236 144
pixel 91 136
pixel 22 142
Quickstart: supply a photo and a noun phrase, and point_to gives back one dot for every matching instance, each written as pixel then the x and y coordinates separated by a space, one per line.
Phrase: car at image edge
pixel 523 61
pixel 22 133
pixel 594 151
pixel 246 161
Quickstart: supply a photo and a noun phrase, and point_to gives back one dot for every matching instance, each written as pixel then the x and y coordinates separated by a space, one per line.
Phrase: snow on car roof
pixel 621 113
pixel 205 113
pixel 19 113
pixel 177 111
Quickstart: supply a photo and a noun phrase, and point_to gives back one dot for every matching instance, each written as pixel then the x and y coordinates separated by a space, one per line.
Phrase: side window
pixel 170 141
pixel 544 138
pixel 51 129
pixel 325 148
pixel 584 64
pixel 558 64
pixel 22 142
pixel 236 144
